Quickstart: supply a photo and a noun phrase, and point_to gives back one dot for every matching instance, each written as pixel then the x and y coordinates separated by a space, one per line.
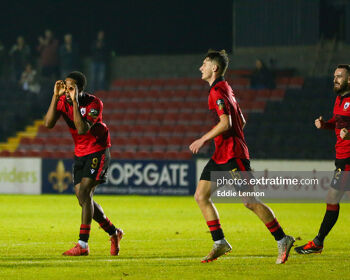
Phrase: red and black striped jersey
pixel 230 144
pixel 97 138
pixel 340 120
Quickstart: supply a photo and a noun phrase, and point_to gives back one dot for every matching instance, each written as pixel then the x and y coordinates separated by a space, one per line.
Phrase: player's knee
pixel 200 198
pixel 250 205
pixel 84 194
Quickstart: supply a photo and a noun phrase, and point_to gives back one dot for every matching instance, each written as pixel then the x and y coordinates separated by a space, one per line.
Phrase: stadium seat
pixel 277 94
pixel 151 130
pixel 160 144
pixel 170 118
pixel 158 155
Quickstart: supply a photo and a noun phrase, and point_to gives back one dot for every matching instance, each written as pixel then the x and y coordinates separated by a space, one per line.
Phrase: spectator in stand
pixel 262 77
pixel 20 56
pixel 48 49
pixel 29 81
pixel 99 62
pixel 68 55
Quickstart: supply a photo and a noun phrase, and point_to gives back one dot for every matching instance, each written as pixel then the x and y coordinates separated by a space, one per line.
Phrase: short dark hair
pixel 79 78
pixel 220 58
pixel 344 66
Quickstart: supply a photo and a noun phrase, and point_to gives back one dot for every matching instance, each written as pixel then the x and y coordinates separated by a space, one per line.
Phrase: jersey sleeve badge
pixel 93 113
pixel 220 103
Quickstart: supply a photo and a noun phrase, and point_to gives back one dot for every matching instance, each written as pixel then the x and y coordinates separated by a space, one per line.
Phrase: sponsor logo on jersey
pixel 346 105
pixel 83 111
pixel 220 103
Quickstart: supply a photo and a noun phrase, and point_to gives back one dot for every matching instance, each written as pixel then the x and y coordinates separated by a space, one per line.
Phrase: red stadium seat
pixel 277 94
pixel 33 154
pixel 158 155
pixel 166 130
pixel 142 118
pixel 184 155
pixel 144 155
pixel 146 143
pixel 296 82
pixel 156 118
pixel 128 155
pixel 282 82
pixel 47 154
pixel 263 94
pixel 18 154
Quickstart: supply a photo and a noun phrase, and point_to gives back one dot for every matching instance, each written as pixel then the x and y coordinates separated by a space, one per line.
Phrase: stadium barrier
pixel 20 175
pixel 144 177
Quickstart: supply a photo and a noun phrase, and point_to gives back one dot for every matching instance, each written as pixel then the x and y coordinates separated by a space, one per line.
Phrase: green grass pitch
pixel 165 238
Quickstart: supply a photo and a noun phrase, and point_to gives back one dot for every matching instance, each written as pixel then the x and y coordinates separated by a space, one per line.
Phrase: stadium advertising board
pixel 146 177
pixel 20 175
pixel 282 180
pixel 57 176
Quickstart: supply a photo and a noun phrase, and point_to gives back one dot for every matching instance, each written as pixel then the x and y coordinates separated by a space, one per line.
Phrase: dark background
pixel 132 27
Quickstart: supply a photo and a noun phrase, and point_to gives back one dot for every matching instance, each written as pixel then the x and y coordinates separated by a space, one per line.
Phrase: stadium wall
pixel 301 58
pixel 275 22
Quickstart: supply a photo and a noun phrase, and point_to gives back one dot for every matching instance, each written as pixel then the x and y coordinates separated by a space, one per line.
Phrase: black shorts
pixel 233 163
pixel 92 166
pixel 341 177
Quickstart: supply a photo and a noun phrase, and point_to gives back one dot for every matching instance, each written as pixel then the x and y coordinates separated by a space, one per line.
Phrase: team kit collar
pixel 220 79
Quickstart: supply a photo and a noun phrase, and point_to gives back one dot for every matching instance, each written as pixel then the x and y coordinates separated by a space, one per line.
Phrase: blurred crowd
pixel 30 66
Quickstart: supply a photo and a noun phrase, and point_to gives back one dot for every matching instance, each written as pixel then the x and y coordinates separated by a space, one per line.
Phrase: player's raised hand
pixel 73 92
pixel 319 122
pixel 344 134
pixel 59 88
pixel 197 145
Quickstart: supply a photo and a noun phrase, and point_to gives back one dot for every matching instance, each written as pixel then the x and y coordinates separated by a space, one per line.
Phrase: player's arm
pixel 321 124
pixel 344 134
pixel 223 125
pixel 53 114
pixel 242 119
pixel 80 123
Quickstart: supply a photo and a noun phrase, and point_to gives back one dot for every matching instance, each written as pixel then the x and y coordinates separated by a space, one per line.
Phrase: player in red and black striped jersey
pixel 340 123
pixel 231 153
pixel 83 115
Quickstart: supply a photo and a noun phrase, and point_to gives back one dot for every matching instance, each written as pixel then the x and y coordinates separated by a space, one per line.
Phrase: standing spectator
pixel 99 62
pixel 262 77
pixel 68 55
pixel 20 56
pixel 29 81
pixel 48 49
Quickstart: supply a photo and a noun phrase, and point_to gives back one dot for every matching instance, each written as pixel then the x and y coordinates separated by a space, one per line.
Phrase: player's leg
pixel 202 197
pixel 340 184
pixel 116 234
pixel 99 216
pixel 211 215
pixel 330 218
pixel 84 192
pixel 266 215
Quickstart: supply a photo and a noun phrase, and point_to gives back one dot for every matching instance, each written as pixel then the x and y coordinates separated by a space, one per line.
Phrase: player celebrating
pixel 83 115
pixel 340 122
pixel 231 153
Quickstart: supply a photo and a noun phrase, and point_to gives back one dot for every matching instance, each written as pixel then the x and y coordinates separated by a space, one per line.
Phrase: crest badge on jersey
pixel 346 105
pixel 83 111
pixel 220 103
